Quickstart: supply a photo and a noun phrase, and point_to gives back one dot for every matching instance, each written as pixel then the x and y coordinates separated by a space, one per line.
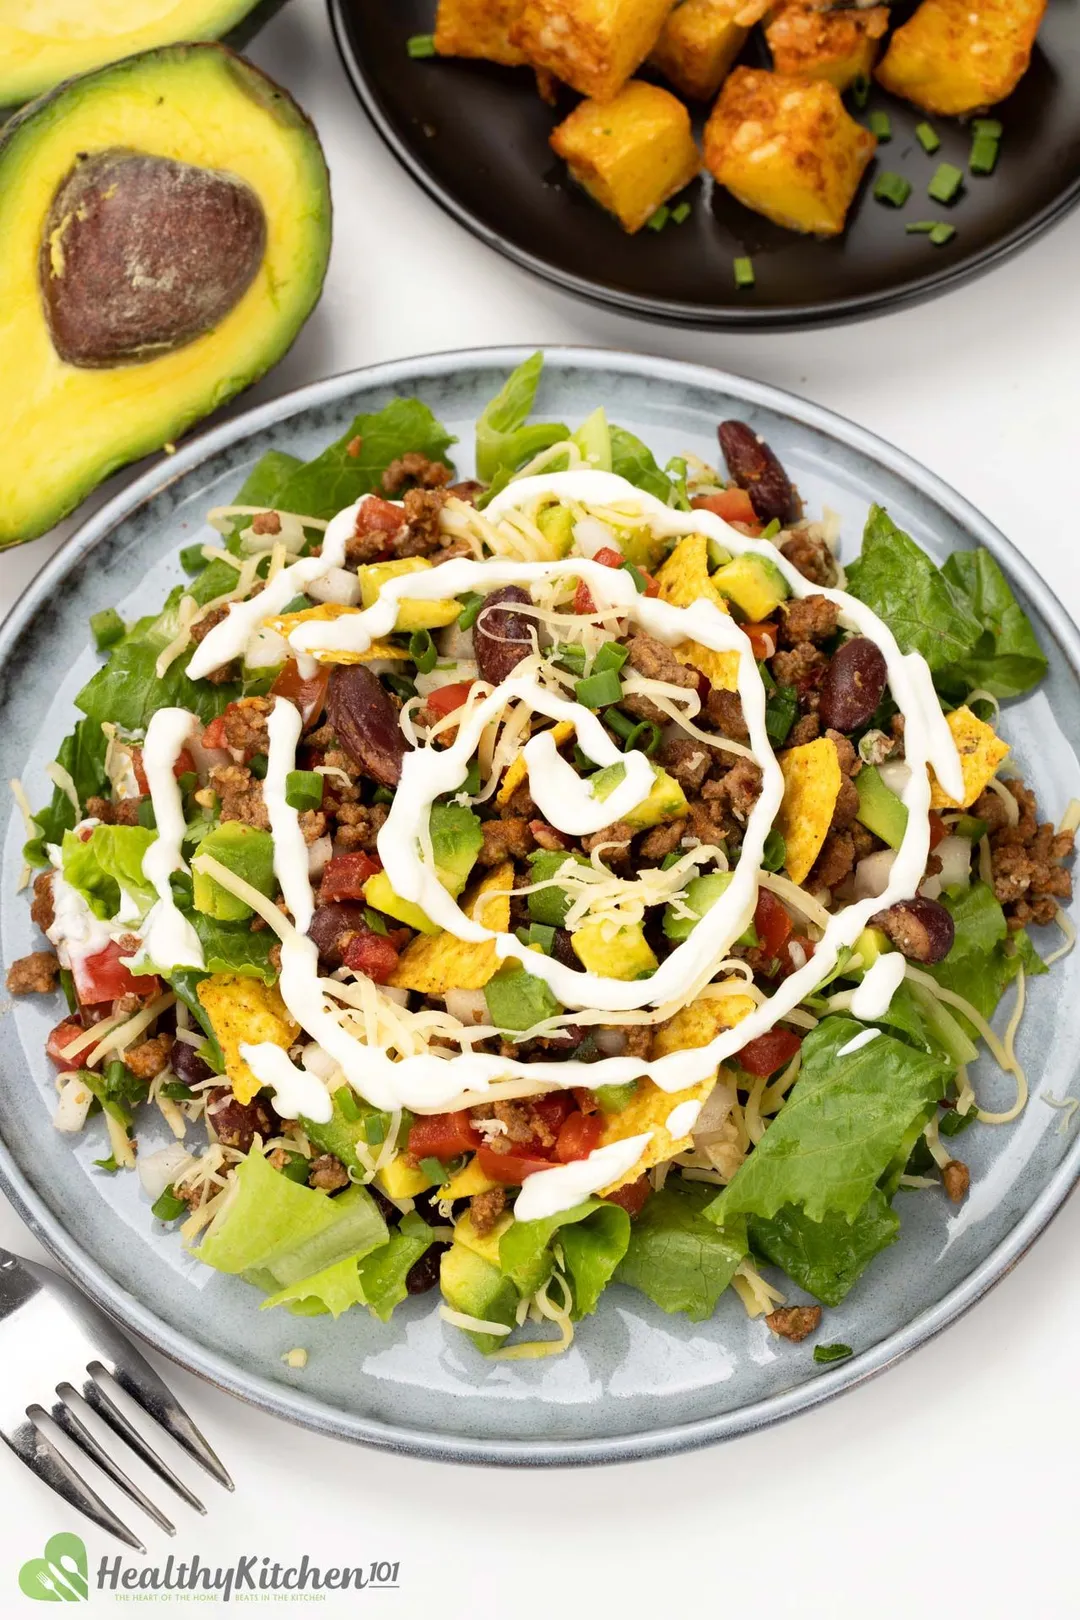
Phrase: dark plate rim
pixel 293 1404
pixel 728 317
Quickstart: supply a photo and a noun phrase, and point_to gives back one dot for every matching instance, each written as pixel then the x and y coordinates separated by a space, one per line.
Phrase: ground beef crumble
pixel 485 1210
pixel 148 1059
pixel 240 795
pixel 1030 880
pixel 794 1322
pixel 41 909
pixel 33 975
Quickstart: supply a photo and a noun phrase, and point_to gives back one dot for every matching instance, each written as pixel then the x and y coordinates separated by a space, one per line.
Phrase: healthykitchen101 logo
pixel 62 1575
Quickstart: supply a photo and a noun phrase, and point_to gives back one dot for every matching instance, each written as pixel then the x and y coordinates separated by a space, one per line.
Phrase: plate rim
pixel 730 317
pixel 293 1404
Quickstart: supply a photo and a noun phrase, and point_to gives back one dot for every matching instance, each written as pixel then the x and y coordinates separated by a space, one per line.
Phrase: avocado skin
pixel 115 425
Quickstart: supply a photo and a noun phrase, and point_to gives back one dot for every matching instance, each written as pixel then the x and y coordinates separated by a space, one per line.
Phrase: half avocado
pixel 40 45
pixel 165 224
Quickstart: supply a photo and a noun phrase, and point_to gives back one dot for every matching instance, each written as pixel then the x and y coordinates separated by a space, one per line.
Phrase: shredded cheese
pixel 63 780
pixel 472 1324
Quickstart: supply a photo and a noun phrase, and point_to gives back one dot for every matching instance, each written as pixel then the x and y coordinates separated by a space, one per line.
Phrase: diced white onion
pixel 338 585
pixel 73 1105
pixel 393 992
pixel 592 536
pixel 872 874
pixel 318 854
pixel 161 1169
pixel 896 774
pixel 955 857
pixel 266 649
pixel 467 1006
pixel 612 1042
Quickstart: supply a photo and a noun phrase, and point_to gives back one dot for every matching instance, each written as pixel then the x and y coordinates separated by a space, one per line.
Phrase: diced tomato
pixel 103 977
pixel 772 922
pixel 377 516
pixel 769 1052
pixel 794 954
pixel 445 699
pixel 585 1099
pixel 583 599
pixel 553 1108
pixel 652 586
pixel 733 505
pixel 632 1196
pixel 62 1036
pixel 609 557
pixel 762 638
pixel 443 1136
pixel 578 1135
pixel 214 735
pixel 345 876
pixel 938 829
pixel 182 765
pixel 371 954
pixel 510 1169
pixel 308 694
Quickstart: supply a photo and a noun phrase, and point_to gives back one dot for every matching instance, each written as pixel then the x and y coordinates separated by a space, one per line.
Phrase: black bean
pixel 424 1273
pixel 187 1065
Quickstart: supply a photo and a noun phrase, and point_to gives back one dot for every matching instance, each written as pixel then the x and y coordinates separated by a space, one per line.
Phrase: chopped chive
pixel 880 125
pixel 860 91
pixel 433 1169
pixel 920 227
pixel 107 628
pixel 147 818
pixel 375 922
pixel 298 604
pixel 992 128
pixel 471 603
pixel 345 1098
pixel 610 656
pixel 420 46
pixel 771 528
pixel 660 218
pixel 192 560
pixel 621 724
pixel 176 1091
pixel 641 584
pixel 295 1168
pixel 375 1127
pixel 892 189
pixel 744 272
pixel 927 137
pixel 303 790
pixel 681 212
pixel 597 691
pixel 942 234
pixel 946 184
pixel 257 765
pixel 646 736
pixel 832 1352
pixel 984 154
pixel 422 651
pixel 168 1207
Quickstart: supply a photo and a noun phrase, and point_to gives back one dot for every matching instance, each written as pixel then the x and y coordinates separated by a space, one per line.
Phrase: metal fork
pixel 66 1332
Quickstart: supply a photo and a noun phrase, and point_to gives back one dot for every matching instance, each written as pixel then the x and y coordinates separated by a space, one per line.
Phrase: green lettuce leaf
pixel 593 1237
pixel 383 1271
pixel 1007 659
pixel 332 1291
pixel 504 442
pixel 984 959
pixel 82 755
pixel 335 479
pixel 233 948
pixel 827 1257
pixel 922 608
pixel 109 860
pixel 840 1128
pixel 677 1257
pixel 635 462
pixel 127 689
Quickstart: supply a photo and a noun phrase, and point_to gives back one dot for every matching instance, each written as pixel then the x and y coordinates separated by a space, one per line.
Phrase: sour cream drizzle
pixel 169 940
pixel 549 1192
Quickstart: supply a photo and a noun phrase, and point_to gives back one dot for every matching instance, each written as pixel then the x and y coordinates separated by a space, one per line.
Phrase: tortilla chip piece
pixel 812 779
pixel 702 1021
pixel 981 751
pixel 719 668
pixel 245 1010
pixel 685 579
pixel 326 613
pixel 515 772
pixel 435 963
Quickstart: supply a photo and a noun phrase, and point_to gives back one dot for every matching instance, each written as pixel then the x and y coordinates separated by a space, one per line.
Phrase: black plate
pixel 476 137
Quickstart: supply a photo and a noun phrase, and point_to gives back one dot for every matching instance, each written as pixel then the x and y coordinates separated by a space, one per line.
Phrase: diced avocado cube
pixel 379 894
pixel 517 1000
pixel 456 841
pixel 754 584
pixel 718 554
pixel 398 1179
pixel 475 1287
pixel 556 524
pixel 871 944
pixel 247 852
pixel 413 614
pixel 880 811
pixel 625 955
pixel 666 800
pixel 467 1182
pixel 485 1244
pixel 549 906
pixel 702 893
pixel 613 1099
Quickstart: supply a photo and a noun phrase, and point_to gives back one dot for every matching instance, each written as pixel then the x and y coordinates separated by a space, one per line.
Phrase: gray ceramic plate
pixel 636 1383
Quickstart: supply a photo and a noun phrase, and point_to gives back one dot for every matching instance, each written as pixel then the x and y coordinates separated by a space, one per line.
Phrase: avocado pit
pixel 141 255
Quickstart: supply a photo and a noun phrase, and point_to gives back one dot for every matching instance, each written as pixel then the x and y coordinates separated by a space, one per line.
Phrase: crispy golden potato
pixel 593 45
pixel 840 46
pixel 955 56
pixel 787 149
pixel 700 41
pixel 632 153
pixel 478 28
pixel 981 751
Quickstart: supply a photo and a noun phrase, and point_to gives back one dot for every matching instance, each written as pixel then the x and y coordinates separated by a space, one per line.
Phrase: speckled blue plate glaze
pixel 636 1382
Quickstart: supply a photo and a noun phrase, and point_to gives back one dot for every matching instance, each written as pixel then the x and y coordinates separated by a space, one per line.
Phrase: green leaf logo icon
pixel 59 1576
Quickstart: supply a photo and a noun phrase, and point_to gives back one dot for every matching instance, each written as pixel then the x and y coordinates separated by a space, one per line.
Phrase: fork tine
pixel 74 1427
pixel 107 1409
pixel 138 1379
pixel 37 1451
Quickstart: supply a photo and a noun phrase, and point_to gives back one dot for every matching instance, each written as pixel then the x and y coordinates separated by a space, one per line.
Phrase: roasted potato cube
pixel 840 46
pixel 593 45
pixel 478 28
pixel 955 56
pixel 787 149
pixel 700 41
pixel 631 153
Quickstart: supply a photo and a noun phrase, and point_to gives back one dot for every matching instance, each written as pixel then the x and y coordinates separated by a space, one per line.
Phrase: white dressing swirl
pixel 169 940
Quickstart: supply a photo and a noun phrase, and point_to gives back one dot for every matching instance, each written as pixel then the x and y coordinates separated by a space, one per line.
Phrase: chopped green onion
pixel 641 584
pixel 471 782
pixel 671 860
pixel 646 736
pixel 582 760
pixel 420 46
pixel 774 853
pixel 880 125
pixel 422 651
pixel 992 128
pixel 611 656
pixel 401 686
pixel 295 1168
pixel 950 1123
pixel 147 818
pixel 780 714
pixel 621 724
pixel 303 790
pixel 67 985
pixel 433 1169
pixel 345 1098
pixel 860 91
pixel 942 234
pixel 541 934
pixel 597 691
pixel 183 892
pixel 107 628
pixel 832 1352
pixel 258 765
pixel 681 212
pixel 920 227
pixel 383 795
pixel 571 657
pixel 744 272
pixel 109 1165
pixel 471 603
pixel 376 923
pixel 984 154
pixel 187 781
pixel 176 1091
pixel 947 183
pixel 927 137
pixel 375 1127
pixel 660 218
pixel 298 604
pixel 771 528
pixel 168 1207
pixel 892 189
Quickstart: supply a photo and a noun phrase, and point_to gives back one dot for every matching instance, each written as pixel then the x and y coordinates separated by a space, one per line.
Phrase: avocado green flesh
pixel 475 1287
pixel 41 46
pixel 880 811
pixel 65 428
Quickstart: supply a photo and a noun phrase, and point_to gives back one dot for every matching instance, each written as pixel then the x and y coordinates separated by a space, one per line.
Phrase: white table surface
pixel 948 1483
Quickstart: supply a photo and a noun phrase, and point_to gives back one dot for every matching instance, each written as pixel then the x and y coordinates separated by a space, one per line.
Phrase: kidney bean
pixel 853 685
pixel 186 1064
pixel 921 929
pixel 755 468
pixel 424 1273
pixel 236 1124
pixel 333 926
pixel 366 722
pixel 502 638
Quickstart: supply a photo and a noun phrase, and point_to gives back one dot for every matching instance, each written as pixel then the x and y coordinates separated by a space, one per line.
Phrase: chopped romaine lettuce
pixel 128 691
pixel 82 755
pixel 504 442
pixel 681 1260
pixel 593 1237
pixel 826 1257
pixel 923 610
pixel 383 1272
pixel 1007 659
pixel 984 958
pixel 338 476
pixel 109 861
